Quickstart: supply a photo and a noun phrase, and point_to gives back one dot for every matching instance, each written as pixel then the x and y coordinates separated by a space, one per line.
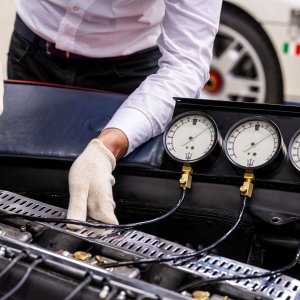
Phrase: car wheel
pixel 244 66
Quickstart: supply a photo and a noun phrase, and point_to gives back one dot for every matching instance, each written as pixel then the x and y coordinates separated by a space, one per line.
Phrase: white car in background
pixel 257 52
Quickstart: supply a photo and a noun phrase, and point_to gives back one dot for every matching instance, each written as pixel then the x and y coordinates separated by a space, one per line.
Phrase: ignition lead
pixel 12 263
pixel 23 279
pixel 200 282
pixel 97 225
pixel 88 279
pixel 246 193
pixel 184 256
pixel 185 183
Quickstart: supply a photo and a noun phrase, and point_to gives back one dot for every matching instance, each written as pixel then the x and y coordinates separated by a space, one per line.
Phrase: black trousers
pixel 28 61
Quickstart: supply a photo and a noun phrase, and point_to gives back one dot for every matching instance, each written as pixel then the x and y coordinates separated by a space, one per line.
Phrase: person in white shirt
pixel 153 50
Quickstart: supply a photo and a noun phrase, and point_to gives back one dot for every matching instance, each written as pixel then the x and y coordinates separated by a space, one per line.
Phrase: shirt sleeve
pixel 188 30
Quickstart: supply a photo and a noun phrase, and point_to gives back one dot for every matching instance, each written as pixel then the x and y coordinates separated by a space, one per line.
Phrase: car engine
pixel 233 235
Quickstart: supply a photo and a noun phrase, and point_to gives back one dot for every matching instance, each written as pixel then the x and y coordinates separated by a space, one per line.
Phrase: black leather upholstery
pixel 56 122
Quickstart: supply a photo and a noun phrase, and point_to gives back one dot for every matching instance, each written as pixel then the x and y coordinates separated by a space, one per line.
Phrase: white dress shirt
pixel 184 31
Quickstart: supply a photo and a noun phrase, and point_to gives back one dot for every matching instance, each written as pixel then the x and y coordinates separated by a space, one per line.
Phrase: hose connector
pixel 247 188
pixel 186 177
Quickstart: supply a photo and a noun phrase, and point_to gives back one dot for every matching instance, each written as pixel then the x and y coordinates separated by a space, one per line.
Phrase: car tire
pixel 249 71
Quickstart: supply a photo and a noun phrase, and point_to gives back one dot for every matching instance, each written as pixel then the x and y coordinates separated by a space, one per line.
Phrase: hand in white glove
pixel 90 185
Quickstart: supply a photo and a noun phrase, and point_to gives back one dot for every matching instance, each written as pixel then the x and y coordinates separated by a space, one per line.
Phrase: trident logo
pixel 250 162
pixel 188 156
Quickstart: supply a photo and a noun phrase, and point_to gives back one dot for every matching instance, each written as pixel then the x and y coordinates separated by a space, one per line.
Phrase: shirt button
pixel 76 8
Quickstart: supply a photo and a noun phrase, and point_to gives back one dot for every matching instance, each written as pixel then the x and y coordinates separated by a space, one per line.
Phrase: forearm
pixel 114 140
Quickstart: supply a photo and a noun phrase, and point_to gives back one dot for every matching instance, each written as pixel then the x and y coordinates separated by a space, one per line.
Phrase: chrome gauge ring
pixel 253 143
pixel 190 137
pixel 294 150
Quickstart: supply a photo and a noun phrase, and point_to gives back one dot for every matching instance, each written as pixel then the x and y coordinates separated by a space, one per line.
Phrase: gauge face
pixel 190 137
pixel 294 150
pixel 253 143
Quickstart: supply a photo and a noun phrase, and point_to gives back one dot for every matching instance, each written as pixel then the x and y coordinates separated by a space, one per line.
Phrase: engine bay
pixel 84 253
pixel 53 262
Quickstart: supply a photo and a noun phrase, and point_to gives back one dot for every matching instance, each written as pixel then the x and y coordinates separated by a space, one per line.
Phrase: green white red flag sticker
pixel 291 48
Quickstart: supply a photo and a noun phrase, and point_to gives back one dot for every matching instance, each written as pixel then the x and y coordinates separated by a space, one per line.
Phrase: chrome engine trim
pixel 141 245
pixel 67 264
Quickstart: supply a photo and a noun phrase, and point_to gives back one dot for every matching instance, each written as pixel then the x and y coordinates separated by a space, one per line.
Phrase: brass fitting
pixel 201 295
pixel 247 188
pixel 100 260
pixel 186 177
pixel 82 255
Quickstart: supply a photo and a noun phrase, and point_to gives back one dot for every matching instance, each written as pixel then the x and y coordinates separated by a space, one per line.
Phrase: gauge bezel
pixel 290 149
pixel 245 120
pixel 184 115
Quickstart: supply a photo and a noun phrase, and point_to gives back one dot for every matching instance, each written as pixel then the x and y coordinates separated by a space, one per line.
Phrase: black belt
pixel 26 33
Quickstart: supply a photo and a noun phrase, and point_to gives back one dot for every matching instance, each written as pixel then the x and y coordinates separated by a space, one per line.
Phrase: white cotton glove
pixel 90 185
pixel 1 89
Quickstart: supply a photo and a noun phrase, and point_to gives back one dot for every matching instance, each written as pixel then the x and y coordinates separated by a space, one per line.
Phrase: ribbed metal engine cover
pixel 142 245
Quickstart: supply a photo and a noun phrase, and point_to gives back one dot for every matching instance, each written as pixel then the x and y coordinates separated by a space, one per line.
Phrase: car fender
pixel 276 18
pixel 272 11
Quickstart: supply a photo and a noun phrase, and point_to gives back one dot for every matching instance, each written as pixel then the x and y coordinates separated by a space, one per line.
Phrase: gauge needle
pixel 254 144
pixel 193 137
